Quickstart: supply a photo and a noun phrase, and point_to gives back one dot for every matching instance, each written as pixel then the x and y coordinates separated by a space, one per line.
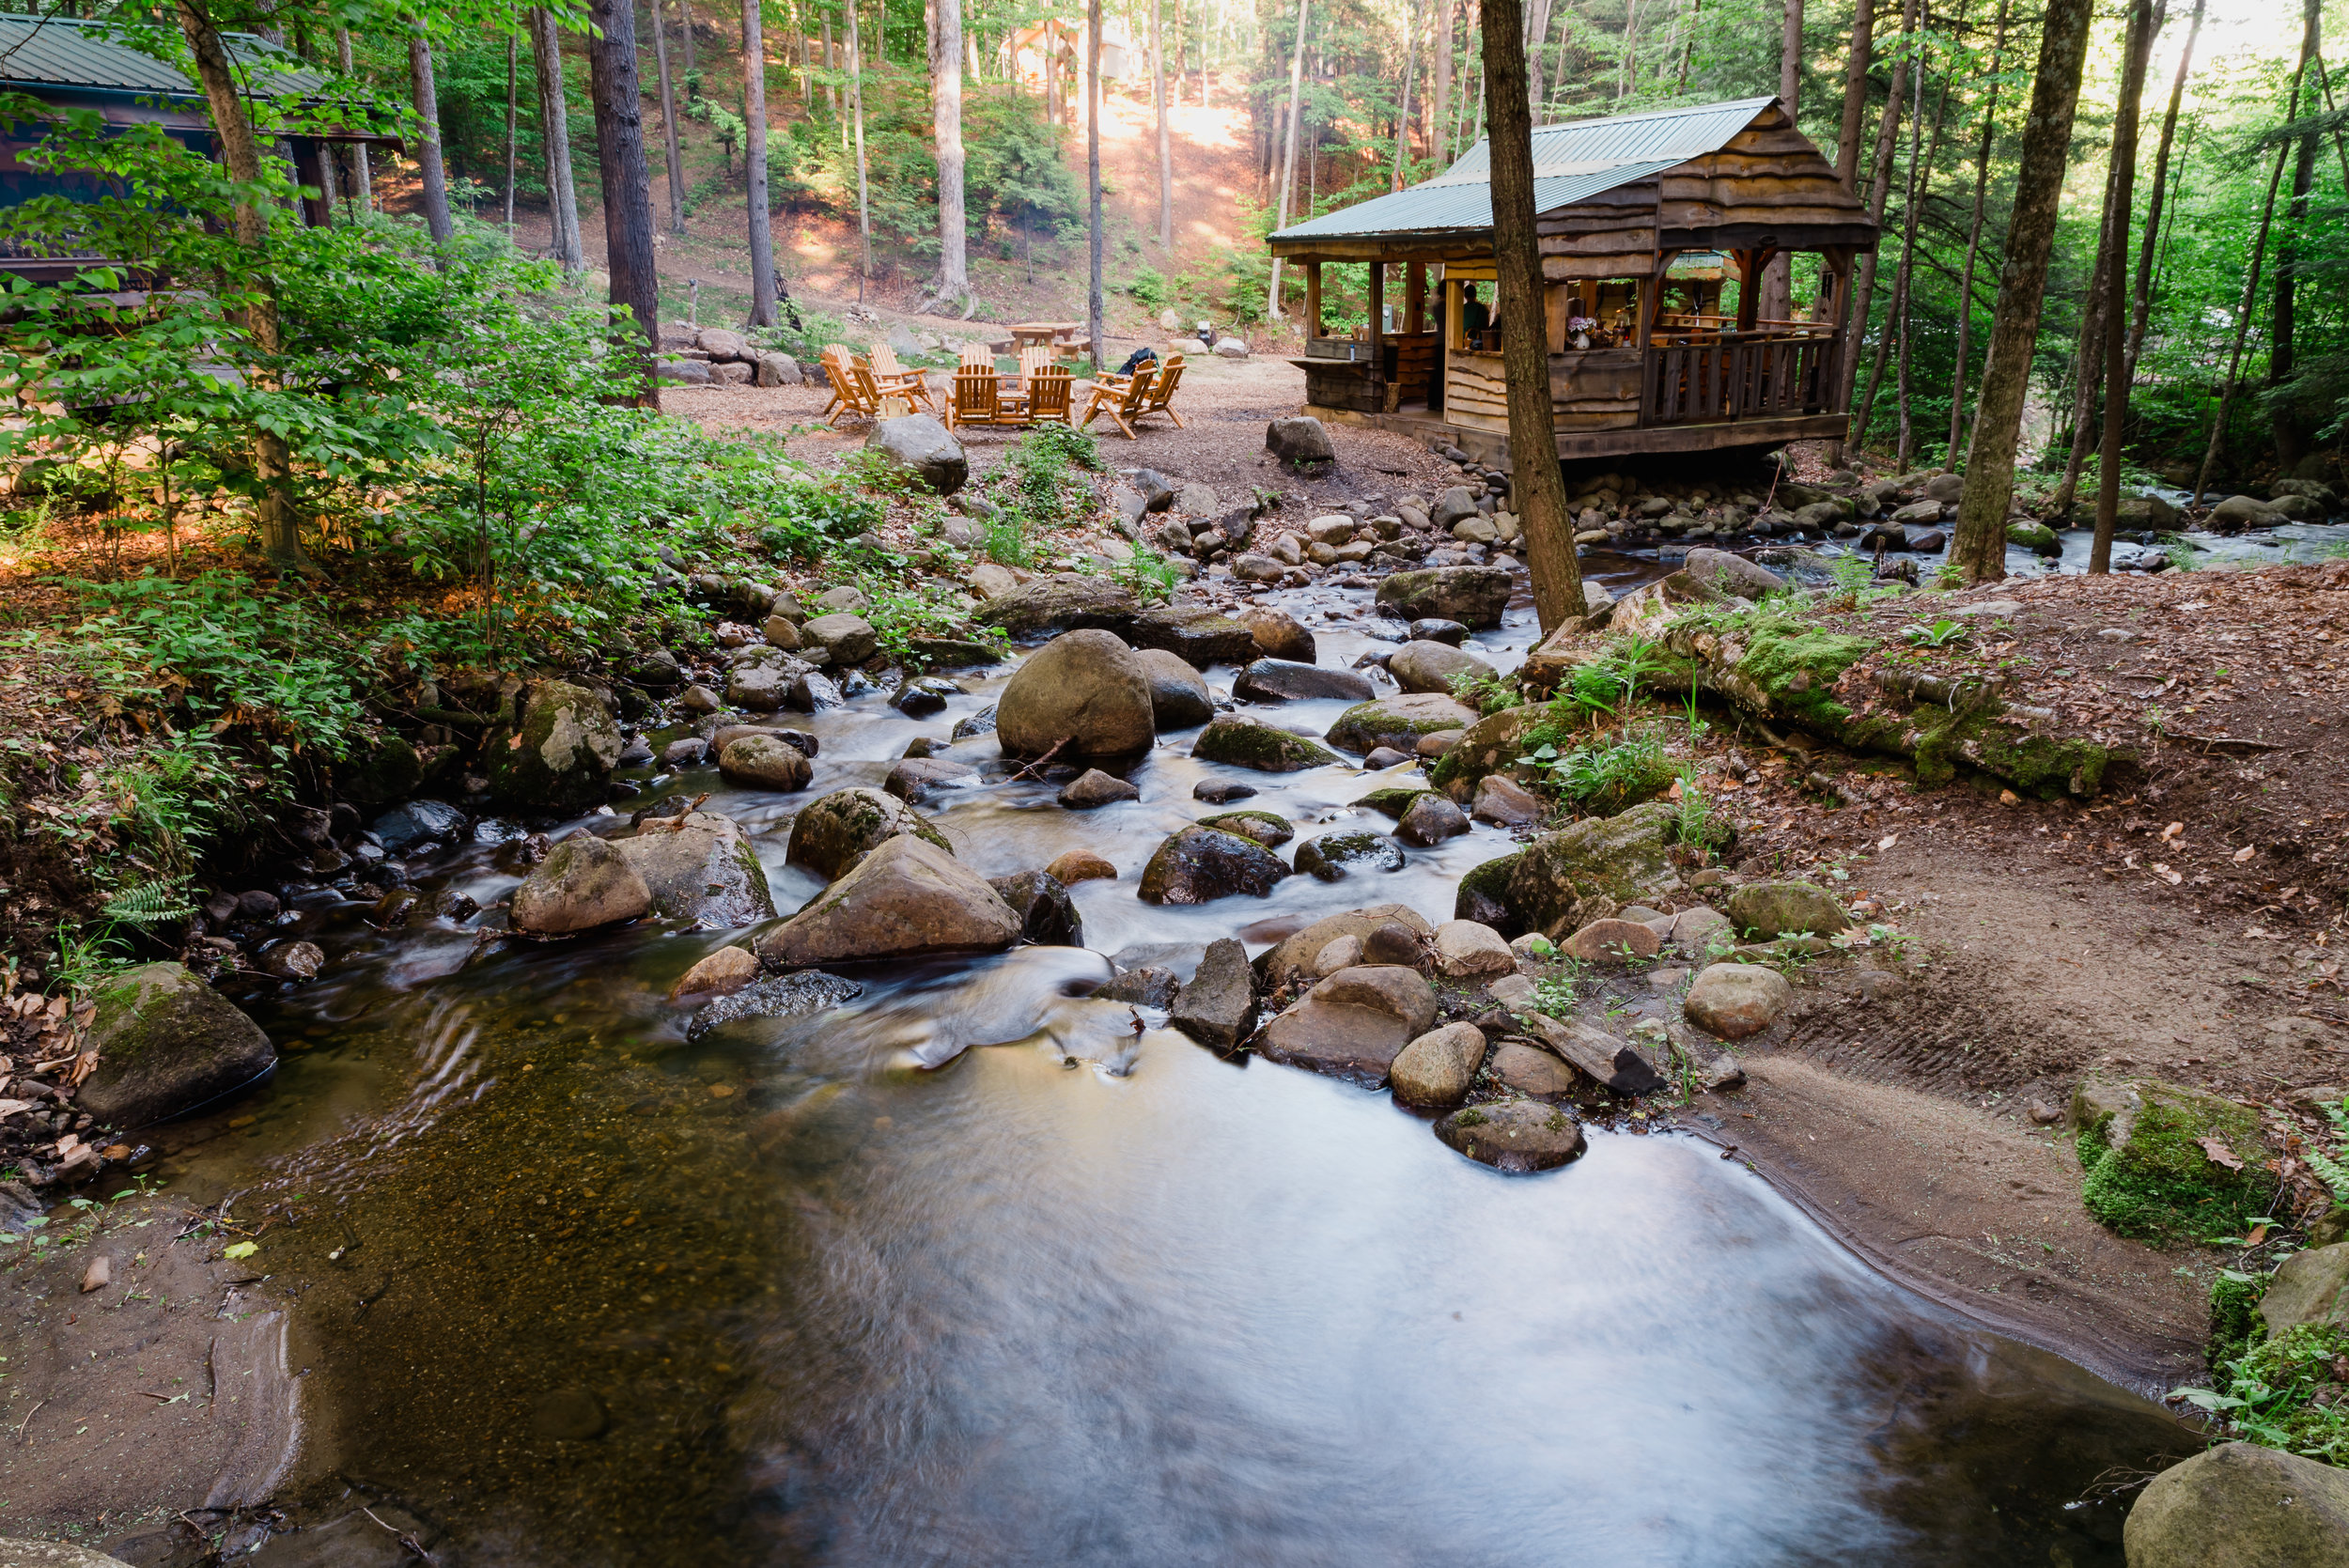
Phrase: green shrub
pixel 1150 289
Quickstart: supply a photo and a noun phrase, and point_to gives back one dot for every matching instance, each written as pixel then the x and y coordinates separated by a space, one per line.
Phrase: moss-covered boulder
pixel 1236 739
pixel 166 1044
pixel 584 884
pixel 2037 538
pixel 1398 721
pixel 1491 745
pixel 1483 896
pixel 701 867
pixel 1767 909
pixel 1393 800
pixel 2241 1506
pixel 559 760
pixel 1473 596
pixel 388 770
pixel 2160 1161
pixel 1065 601
pixel 1199 865
pixel 1269 829
pixel 837 831
pixel 1620 857
pixel 1334 856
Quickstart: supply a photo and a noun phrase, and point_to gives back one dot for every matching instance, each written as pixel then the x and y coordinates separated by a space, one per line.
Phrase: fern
pixel 147 904
pixel 2335 1175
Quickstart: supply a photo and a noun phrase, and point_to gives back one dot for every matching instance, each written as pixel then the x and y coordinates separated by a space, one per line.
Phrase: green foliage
pixel 1696 826
pixel 2235 1325
pixel 1606 778
pixel 2287 1392
pixel 1039 486
pixel 2163 1181
pixel 1940 634
pixel 806 516
pixel 1147 575
pixel 1007 543
pixel 1557 994
pixel 1150 288
pixel 1486 693
pixel 899 613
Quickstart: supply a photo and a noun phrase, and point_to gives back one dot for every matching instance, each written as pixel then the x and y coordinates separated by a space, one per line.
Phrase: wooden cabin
pixel 1644 221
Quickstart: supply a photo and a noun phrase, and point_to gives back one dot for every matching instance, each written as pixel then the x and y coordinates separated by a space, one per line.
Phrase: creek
pixel 980 1270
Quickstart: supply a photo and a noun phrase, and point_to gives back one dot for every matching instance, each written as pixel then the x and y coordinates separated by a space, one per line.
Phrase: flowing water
pixel 979 1270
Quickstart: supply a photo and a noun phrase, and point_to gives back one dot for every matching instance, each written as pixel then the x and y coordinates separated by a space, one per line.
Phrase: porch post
pixel 1839 267
pixel 316 211
pixel 1378 318
pixel 1312 301
pixel 1750 265
pixel 1415 297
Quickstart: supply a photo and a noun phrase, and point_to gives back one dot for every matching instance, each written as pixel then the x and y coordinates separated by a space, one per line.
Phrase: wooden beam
pixel 1377 321
pixel 1312 301
pixel 1415 297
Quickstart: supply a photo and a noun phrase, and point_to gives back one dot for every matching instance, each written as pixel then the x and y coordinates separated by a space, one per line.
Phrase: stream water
pixel 971 1272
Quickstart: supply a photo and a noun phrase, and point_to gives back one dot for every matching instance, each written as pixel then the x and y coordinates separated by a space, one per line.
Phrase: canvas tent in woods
pixel 1645 221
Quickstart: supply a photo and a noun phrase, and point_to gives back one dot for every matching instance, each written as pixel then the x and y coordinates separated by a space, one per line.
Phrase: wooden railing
pixel 1732 377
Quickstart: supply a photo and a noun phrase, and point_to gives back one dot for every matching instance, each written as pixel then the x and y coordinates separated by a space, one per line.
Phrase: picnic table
pixel 1041 333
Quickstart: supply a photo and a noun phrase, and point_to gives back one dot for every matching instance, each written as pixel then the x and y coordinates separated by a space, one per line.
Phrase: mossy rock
pixel 1397 721
pixel 1393 800
pixel 1617 856
pixel 2036 536
pixel 1483 896
pixel 560 759
pixel 1797 672
pixel 832 834
pixel 1243 742
pixel 166 1044
pixel 2148 1171
pixel 1267 827
pixel 1492 745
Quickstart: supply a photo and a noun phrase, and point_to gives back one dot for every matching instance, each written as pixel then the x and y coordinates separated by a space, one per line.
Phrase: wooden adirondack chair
pixel 976 399
pixel 1119 396
pixel 896 381
pixel 851 393
pixel 975 356
pixel 1049 391
pixel 1161 399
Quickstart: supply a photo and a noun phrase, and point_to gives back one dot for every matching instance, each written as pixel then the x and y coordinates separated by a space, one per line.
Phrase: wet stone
pixel 777 996
pixel 1516 1136
pixel 1333 855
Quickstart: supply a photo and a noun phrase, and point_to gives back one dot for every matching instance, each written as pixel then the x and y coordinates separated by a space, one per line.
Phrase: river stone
pixel 559 760
pixel 777 996
pixel 1490 746
pixel 1342 954
pixel 1080 865
pixel 2035 536
pixel 1732 1001
pixel 1279 634
pixel 2308 1289
pixel 2241 1506
pixel 2244 511
pixel 1298 438
pixel 1466 948
pixel 1240 741
pixel 834 832
pixel 1218 1007
pixel 918 443
pixel 915 780
pixel 1179 698
pixel 1266 828
pixel 1093 788
pixel 1733 574
pixel 1528 1070
pixel 1611 941
pixel 723 973
pixel 1473 596
pixel 1769 910
pixel 727 735
pixel 583 884
pixel 418 822
pixel 1147 986
pixel 1063 601
pixel 1391 800
pixel 1293 956
pixel 1616 856
pixel 1353 1024
pixel 1516 1136
pixel 924 695
pixel 1397 721
pixel 1431 819
pixel 764 761
pixel 1195 633
pixel 850 637
pixel 1048 917
pixel 53 1554
pixel 1274 680
pixel 1428 666
pixel 1084 686
pixel 1332 856
pixel 1200 864
pixel 1437 1069
pixel 700 867
pixel 906 898
pixel 1503 801
pixel 167 1043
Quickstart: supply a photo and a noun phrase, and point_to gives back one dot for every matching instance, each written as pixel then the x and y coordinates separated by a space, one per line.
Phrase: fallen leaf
pixel 247 1249
pixel 2218 1154
pixel 1887 841
pixel 2173 832
pixel 2259 1234
pixel 2172 878
pixel 2244 854
pixel 2008 798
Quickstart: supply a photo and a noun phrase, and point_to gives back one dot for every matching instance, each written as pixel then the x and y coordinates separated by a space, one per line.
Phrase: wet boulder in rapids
pixel 1085 688
pixel 1198 865
pixel 1472 596
pixel 906 898
pixel 582 884
pixel 835 832
pixel 700 867
pixel 1179 698
pixel 1240 741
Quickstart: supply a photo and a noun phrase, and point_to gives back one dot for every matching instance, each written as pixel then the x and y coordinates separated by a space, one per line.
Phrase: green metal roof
pixel 1572 162
pixel 64 52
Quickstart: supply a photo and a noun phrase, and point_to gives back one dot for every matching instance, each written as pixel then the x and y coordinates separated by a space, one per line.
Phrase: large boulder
pixel 1398 721
pixel 1472 596
pixel 924 448
pixel 1766 910
pixel 700 867
pixel 1618 856
pixel 1064 601
pixel 418 824
pixel 1179 698
pixel 1196 633
pixel 1240 741
pixel 583 884
pixel 1276 680
pixel 1217 1007
pixel 2244 511
pixel 2159 1160
pixel 1279 634
pixel 832 833
pixel 1299 439
pixel 1437 1069
pixel 559 759
pixel 1353 1024
pixel 1426 666
pixel 1334 856
pixel 918 779
pixel 1286 961
pixel 905 899
pixel 1516 1136
pixel 1734 575
pixel 1732 1001
pixel 764 761
pixel 1197 866
pixel 1085 688
pixel 167 1043
pixel 2241 1506
pixel 1491 745
pixel 1269 829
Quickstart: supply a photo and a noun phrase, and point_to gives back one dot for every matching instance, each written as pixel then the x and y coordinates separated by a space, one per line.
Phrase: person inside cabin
pixel 1475 321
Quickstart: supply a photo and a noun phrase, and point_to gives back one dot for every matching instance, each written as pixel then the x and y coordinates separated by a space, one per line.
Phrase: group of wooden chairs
pixel 1041 392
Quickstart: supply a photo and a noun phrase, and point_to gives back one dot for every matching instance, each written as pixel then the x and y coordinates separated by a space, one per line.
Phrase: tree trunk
pixel 1537 487
pixel 2142 311
pixel 1166 139
pixel 1973 235
pixel 1979 549
pixel 513 104
pixel 863 188
pixel 1902 278
pixel 2135 53
pixel 612 82
pixel 685 27
pixel 1536 35
pixel 1289 160
pixel 273 463
pixel 1403 116
pixel 2292 436
pixel 2088 360
pixel 1879 188
pixel 668 123
pixel 2243 315
pixel 754 164
pixel 1439 144
pixel 1093 176
pixel 555 127
pixel 1778 278
pixel 436 218
pixel 362 177
pixel 954 272
pixel 1855 93
pixel 832 65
